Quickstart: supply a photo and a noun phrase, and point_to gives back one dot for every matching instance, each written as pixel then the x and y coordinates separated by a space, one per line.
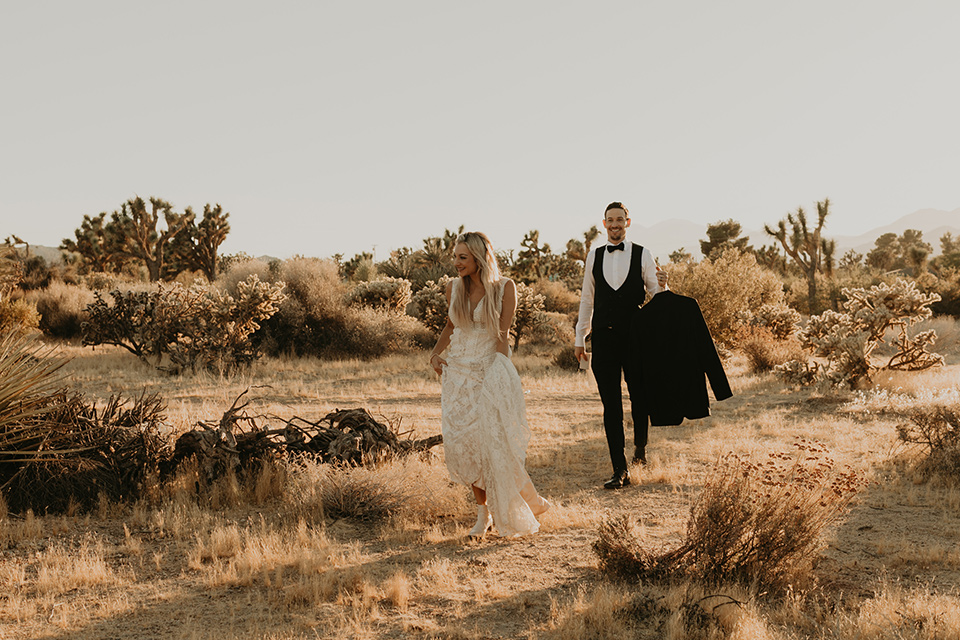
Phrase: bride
pixel 485 431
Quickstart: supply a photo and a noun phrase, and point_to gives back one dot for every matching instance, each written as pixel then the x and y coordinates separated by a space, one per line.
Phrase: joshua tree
pixel 807 248
pixel 137 228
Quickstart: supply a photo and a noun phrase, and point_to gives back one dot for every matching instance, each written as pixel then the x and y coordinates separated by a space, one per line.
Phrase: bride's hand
pixel 438 364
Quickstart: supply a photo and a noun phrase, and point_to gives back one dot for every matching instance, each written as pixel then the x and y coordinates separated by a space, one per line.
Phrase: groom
pixel 616 278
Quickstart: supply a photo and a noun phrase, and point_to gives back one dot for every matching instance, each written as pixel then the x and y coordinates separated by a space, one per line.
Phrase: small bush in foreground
pixel 753 523
pixel 412 488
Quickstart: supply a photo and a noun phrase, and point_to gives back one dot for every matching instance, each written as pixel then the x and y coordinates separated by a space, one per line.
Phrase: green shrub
pixel 197 327
pixel 530 314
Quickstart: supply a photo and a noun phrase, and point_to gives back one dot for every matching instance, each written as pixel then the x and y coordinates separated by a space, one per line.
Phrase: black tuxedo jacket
pixel 673 348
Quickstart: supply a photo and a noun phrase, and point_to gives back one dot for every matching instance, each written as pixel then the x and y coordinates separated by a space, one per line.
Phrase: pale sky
pixel 327 127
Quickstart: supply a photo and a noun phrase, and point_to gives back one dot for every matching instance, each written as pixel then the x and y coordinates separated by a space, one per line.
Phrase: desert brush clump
pixel 196 327
pixel 765 351
pixel 731 289
pixel 936 430
pixel 18 316
pixel 316 319
pixel 62 308
pixel 413 488
pixel 755 523
pixel 844 341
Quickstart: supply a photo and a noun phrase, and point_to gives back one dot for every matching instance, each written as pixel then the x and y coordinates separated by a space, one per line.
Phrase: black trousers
pixel 611 359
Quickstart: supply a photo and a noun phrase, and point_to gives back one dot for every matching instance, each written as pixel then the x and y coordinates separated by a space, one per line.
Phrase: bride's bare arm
pixel 444 340
pixel 508 310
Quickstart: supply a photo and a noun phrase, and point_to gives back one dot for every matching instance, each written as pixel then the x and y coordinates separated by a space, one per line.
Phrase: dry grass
pixel 265 558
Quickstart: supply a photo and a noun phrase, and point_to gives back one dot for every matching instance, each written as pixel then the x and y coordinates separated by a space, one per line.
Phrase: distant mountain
pixel 666 237
pixel 932 222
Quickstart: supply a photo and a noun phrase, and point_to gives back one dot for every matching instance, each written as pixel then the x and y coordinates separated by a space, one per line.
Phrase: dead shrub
pixel 764 350
pixel 75 452
pixel 566 359
pixel 937 431
pixel 18 316
pixel 62 308
pixel 757 524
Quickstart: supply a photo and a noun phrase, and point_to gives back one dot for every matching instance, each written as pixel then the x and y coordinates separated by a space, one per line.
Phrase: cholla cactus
pixel 215 327
pixel 847 340
pixel 431 304
pixel 391 294
pixel 780 319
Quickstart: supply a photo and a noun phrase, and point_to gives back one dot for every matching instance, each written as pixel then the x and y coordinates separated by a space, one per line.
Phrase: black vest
pixel 613 308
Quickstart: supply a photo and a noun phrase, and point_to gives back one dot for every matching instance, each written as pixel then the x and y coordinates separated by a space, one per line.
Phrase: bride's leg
pixel 480 495
pixel 538 504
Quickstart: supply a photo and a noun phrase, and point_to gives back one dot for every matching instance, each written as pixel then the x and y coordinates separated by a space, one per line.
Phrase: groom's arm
pixel 586 304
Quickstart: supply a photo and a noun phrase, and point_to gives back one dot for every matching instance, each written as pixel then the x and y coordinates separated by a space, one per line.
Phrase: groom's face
pixel 616 221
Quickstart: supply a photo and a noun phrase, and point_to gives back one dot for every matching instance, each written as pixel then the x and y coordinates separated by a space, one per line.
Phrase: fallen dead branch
pixel 72 453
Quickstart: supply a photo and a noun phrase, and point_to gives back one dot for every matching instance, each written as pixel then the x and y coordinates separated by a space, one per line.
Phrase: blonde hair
pixel 479 246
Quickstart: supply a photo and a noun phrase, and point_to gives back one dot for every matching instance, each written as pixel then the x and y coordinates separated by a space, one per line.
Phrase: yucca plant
pixel 29 378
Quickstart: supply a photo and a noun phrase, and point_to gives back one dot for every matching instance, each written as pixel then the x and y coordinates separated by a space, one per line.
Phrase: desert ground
pixel 262 560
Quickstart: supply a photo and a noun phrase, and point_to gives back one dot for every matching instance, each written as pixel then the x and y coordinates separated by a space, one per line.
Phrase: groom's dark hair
pixel 616 205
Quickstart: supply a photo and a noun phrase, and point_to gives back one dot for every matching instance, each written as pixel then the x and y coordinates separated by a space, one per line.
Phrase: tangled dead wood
pixel 239 443
pixel 75 452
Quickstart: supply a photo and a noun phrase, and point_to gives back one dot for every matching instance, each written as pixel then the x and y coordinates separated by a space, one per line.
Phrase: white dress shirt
pixel 616 266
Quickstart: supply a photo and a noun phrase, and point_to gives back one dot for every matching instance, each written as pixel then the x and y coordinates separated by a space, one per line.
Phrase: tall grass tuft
pixel 408 488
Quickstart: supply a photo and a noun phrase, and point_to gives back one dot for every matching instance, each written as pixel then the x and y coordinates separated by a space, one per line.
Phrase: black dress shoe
pixel 640 456
pixel 619 480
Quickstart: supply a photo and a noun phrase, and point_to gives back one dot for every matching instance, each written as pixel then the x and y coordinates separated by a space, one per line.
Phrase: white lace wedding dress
pixel 485 430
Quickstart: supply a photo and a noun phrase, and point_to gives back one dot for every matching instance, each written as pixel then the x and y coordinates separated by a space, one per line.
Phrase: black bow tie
pixel 614 247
